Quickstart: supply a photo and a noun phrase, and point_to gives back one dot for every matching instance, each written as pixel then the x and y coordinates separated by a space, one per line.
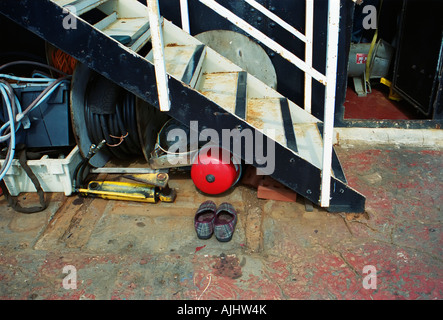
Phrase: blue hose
pixel 11 153
pixel 22 79
pixel 11 123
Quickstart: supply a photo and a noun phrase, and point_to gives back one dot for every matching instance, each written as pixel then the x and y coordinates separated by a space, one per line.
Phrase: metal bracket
pixel 360 85
pixel 155 179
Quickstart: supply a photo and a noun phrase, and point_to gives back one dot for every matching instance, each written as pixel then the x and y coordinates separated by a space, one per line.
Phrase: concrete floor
pixel 133 251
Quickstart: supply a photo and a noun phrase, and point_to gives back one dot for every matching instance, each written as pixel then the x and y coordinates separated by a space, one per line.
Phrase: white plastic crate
pixel 54 175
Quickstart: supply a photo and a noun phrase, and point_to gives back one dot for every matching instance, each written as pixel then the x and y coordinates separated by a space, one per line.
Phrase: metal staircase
pixel 201 86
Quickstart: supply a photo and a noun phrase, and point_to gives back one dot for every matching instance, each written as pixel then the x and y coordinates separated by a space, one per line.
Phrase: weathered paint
pixel 136 251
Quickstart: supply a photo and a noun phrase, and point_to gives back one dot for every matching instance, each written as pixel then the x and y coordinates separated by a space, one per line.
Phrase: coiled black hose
pixel 110 115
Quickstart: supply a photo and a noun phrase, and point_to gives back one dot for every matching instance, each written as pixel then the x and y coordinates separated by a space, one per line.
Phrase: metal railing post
pixel 309 33
pixel 159 55
pixel 277 19
pixel 330 93
pixel 184 12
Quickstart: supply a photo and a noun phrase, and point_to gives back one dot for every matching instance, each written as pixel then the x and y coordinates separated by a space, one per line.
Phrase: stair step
pixel 63 3
pixel 176 59
pixel 106 22
pixel 183 62
pixel 309 143
pixel 119 27
pixel 81 6
pixel 264 114
pixel 220 87
pixel 130 27
pixel 141 40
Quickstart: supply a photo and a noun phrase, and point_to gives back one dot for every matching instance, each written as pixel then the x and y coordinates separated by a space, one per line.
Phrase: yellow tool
pixel 141 192
pixel 150 188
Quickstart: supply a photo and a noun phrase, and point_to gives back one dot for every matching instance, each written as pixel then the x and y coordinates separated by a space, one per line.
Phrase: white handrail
pixel 277 19
pixel 330 93
pixel 260 36
pixel 309 30
pixel 159 56
pixel 184 12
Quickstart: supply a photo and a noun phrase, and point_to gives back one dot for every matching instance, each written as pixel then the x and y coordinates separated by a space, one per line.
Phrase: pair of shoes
pixel 209 220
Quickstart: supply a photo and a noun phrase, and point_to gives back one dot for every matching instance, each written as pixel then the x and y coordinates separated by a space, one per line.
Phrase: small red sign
pixel 361 58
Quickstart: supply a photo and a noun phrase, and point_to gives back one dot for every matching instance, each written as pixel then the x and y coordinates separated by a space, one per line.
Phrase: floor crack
pixel 340 255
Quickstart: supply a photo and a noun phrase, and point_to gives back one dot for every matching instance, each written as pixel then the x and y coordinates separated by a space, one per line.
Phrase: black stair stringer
pixel 137 75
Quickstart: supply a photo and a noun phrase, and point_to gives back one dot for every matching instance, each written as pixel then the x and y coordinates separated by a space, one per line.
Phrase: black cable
pixel 84 163
pixel 118 129
pixel 76 178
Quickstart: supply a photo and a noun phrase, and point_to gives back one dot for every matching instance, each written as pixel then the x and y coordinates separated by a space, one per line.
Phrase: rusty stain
pixel 227 266
pixel 169 45
pixel 254 114
pixel 265 114
pixel 221 88
pixel 177 58
pixel 218 72
pixel 338 139
pixel 220 82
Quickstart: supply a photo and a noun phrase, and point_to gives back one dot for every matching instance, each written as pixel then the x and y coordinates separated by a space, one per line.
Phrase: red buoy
pixel 215 170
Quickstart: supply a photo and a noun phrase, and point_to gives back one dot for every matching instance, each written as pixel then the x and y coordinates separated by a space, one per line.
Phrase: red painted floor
pixel 127 251
pixel 377 106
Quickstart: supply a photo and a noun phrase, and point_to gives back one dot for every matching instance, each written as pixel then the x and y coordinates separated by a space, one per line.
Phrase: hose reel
pixel 101 110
